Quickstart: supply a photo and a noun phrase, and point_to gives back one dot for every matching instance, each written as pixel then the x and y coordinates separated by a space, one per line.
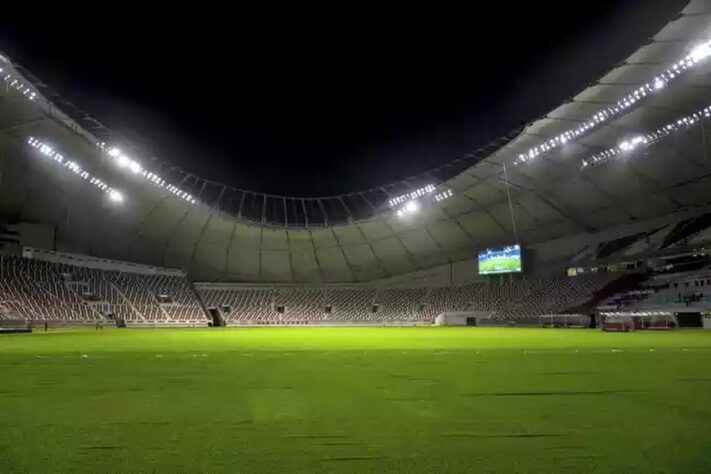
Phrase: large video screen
pixel 500 260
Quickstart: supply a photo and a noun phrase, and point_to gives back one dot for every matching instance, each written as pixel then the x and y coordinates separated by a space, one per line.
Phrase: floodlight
pixel 122 160
pixel 701 51
pixel 412 207
pixel 115 196
pixel 134 167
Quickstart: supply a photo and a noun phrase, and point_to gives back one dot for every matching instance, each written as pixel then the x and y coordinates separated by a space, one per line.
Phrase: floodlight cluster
pixel 629 145
pixel 411 195
pixel 441 196
pixel 14 81
pixel 49 152
pixel 18 84
pixel 698 54
pixel 126 162
pixel 410 207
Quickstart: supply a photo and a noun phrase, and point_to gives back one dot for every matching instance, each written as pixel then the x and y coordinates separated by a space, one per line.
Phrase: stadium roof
pixel 626 148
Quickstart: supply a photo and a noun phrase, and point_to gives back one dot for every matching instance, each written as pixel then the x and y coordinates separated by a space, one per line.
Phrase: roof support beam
pixel 345 206
pixel 241 202
pixel 463 192
pixel 226 270
pixel 306 213
pixel 261 245
pixel 173 232
pixel 378 262
pixel 323 211
pixel 446 212
pixel 394 234
pixel 343 254
pixel 286 213
pixel 219 197
pixel 410 257
pixel 630 166
pixel 137 229
pixel 264 209
pixel 669 144
pixel 202 188
pixel 316 259
pixel 580 223
pixel 199 238
pixel 540 225
pixel 288 246
pixel 479 207
pixel 576 173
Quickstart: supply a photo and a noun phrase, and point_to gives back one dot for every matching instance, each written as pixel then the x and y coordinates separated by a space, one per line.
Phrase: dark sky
pixel 323 105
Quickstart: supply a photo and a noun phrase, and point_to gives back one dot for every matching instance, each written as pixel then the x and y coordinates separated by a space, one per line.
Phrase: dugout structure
pixel 629 321
pixel 565 321
pixel 659 320
pixel 462 318
pixel 617 323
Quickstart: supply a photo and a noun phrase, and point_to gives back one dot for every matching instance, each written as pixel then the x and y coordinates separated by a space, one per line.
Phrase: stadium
pixel 542 304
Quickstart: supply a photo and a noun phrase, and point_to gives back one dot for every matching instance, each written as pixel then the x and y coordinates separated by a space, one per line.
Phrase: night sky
pixel 311 106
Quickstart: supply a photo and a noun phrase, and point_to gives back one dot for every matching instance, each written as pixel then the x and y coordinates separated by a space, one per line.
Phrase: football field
pixel 385 400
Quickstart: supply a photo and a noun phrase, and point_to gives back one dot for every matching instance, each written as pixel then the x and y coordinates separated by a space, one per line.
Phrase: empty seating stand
pixel 520 300
pixel 38 290
pixel 32 289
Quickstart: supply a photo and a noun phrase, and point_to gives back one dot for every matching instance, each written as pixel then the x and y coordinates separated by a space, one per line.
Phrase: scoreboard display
pixel 494 261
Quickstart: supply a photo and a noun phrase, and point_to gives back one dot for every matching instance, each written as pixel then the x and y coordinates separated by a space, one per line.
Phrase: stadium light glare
pixel 134 167
pixel 443 195
pixel 629 145
pixel 409 208
pixel 19 85
pixel 701 51
pixel 115 196
pixel 124 161
pixel 74 167
pixel 698 54
pixel 411 195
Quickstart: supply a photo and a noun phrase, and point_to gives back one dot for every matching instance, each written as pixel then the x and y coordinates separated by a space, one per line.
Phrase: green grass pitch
pixel 500 265
pixel 385 400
